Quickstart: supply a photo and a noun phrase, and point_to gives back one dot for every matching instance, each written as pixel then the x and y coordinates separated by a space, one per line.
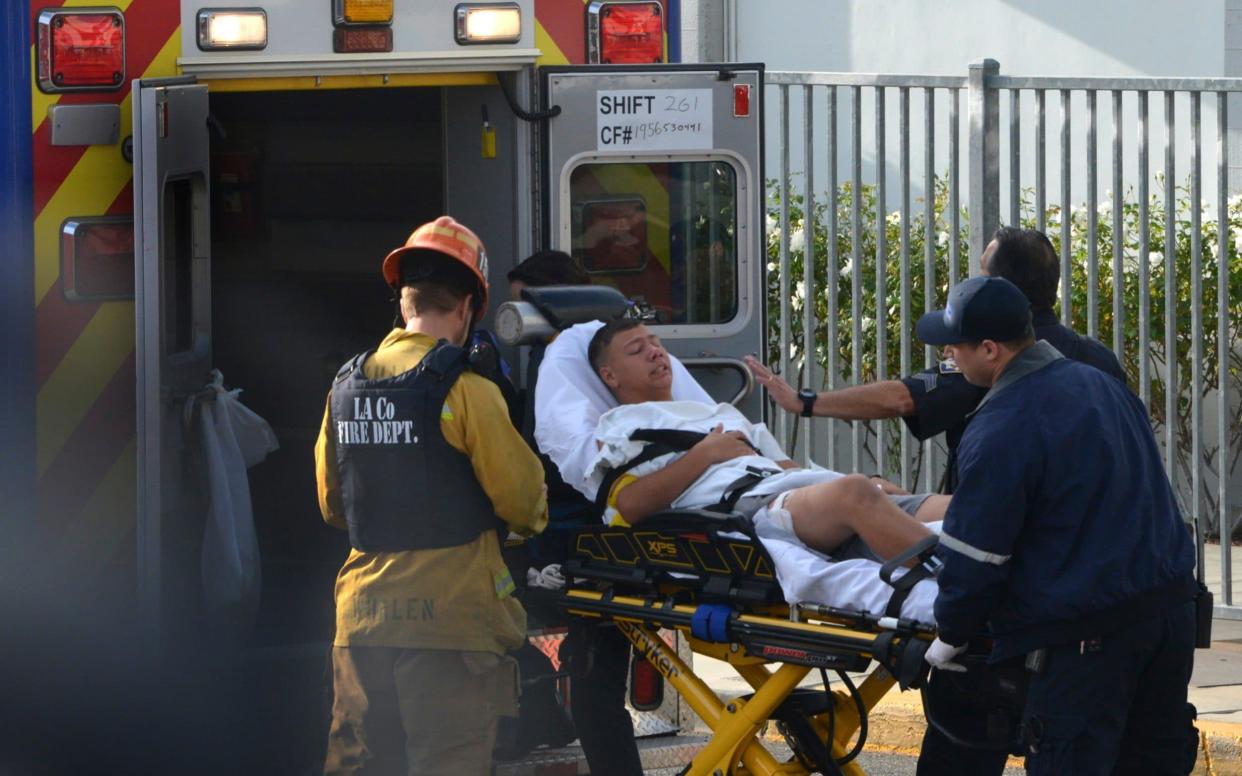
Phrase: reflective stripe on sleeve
pixel 974 553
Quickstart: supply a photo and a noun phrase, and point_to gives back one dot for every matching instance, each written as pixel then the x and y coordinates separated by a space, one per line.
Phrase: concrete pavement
pixel 897 723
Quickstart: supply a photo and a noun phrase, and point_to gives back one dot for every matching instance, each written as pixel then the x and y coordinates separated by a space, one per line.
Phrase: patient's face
pixel 636 368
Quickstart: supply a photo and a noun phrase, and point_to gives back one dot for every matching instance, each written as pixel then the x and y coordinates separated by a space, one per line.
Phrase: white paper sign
pixel 632 120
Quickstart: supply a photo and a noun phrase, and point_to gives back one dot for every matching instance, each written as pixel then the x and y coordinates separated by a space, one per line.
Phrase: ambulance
pixel 190 187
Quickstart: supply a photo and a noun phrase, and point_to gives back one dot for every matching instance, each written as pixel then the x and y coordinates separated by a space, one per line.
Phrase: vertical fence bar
pixel 1170 294
pixel 1196 329
pixel 1066 209
pixel 1144 266
pixel 881 267
pixel 782 425
pixel 955 207
pixel 1041 161
pixel 833 259
pixel 1119 311
pixel 1222 347
pixel 905 272
pixel 856 427
pixel 929 251
pixel 1093 254
pixel 984 157
pixel 808 263
pixel 1015 157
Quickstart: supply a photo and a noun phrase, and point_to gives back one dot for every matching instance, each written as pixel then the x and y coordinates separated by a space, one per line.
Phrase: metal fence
pixel 849 237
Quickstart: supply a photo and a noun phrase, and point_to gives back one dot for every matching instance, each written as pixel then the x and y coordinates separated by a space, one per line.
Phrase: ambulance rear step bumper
pixel 656 752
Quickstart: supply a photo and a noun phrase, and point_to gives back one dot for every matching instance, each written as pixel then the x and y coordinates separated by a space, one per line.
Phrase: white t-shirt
pixel 615 448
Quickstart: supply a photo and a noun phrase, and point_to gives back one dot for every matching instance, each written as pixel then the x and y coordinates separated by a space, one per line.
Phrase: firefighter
pixel 1064 541
pixel 417 459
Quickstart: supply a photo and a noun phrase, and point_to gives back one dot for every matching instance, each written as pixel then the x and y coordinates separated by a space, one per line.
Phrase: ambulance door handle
pixel 726 362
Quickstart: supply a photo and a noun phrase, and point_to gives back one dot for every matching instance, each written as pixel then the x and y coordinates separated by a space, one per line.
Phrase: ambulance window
pixel 662 231
pixel 178 266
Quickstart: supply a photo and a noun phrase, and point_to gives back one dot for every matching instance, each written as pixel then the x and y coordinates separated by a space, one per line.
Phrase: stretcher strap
pixel 710 622
pixel 927 568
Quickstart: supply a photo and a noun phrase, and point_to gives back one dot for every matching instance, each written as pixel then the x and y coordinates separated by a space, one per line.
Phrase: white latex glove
pixel 940 655
pixel 550 578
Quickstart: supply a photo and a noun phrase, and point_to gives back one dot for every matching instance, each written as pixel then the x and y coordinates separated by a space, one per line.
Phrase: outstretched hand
pixel 780 391
pixel 720 445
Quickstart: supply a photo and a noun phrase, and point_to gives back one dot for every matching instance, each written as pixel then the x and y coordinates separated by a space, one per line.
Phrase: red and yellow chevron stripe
pixel 85 424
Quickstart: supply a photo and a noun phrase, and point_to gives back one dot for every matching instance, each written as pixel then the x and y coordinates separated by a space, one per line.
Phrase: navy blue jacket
pixel 1063 525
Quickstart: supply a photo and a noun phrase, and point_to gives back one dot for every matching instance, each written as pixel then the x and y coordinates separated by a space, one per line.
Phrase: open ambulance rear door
pixel 654 181
pixel 172 293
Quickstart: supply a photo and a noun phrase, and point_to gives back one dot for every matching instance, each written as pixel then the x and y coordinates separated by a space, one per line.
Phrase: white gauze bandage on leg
pixel 778 515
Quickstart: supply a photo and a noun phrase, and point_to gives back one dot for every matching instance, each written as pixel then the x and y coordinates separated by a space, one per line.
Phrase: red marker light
pixel 741 100
pixel 81 51
pixel 97 258
pixel 646 685
pixel 361 40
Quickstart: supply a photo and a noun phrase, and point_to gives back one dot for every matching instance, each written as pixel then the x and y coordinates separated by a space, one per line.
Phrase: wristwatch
pixel 808 398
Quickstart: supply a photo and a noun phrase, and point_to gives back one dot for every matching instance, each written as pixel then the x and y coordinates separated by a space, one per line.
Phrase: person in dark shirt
pixel 1064 545
pixel 939 399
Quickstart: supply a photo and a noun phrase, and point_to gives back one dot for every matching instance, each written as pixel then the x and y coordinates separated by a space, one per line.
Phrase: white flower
pixel 942 238
pixel 894 217
pixel 797 240
pixel 799 291
pixel 1236 233
pixel 868 323
pixel 1155 259
pixel 1235 201
pixel 769 222
pixel 846 268
pixel 1105 208
pixel 1108 194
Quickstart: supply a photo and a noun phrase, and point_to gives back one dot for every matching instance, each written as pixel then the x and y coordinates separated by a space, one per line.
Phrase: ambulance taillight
pixel 81 50
pixel 621 33
pixel 487 23
pixel 97 258
pixel 232 29
pixel 646 685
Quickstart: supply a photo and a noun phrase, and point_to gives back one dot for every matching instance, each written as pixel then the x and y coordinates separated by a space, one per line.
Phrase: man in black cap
pixel 1064 543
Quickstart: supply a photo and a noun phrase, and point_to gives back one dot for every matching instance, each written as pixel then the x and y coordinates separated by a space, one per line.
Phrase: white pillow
pixel 570 397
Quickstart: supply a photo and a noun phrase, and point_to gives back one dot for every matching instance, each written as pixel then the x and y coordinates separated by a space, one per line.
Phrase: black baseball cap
pixel 979 308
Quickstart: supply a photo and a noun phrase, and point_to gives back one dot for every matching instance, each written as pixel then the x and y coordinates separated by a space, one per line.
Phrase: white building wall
pixel 1030 38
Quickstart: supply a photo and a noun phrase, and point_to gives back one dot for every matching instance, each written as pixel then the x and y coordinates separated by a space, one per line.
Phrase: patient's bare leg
pixel 827 514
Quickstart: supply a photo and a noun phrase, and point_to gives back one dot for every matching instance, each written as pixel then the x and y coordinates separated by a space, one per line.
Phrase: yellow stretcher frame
pixel 734 746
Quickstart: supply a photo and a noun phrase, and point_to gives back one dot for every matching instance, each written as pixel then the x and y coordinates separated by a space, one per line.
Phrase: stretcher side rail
pixel 714 556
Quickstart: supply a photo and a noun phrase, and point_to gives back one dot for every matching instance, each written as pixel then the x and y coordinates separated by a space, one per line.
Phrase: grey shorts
pixel 855 547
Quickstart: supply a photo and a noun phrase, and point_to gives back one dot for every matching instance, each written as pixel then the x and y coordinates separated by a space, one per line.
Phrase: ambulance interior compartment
pixel 310 189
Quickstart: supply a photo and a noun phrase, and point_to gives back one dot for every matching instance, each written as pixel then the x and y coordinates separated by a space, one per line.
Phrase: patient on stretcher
pixel 734 463
pixel 571 398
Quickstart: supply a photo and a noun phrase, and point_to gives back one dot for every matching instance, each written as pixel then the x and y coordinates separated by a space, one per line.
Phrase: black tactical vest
pixel 403 486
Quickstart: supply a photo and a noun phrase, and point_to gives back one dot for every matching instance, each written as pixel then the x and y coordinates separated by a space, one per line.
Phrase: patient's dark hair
pixel 603 338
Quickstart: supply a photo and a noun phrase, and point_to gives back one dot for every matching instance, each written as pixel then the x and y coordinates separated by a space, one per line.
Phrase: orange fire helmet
pixel 449 238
